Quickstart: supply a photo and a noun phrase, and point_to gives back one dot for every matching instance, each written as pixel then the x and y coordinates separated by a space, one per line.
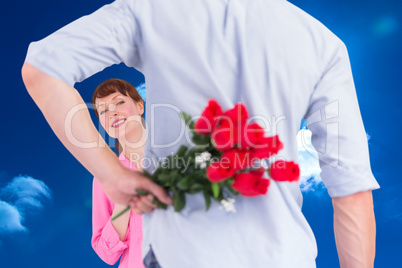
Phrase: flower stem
pixel 121 213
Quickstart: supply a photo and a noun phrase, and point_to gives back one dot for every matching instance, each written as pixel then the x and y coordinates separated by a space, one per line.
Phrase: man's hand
pixel 355 230
pixel 123 191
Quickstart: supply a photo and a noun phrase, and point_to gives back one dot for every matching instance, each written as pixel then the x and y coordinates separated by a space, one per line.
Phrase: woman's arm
pixel 355 230
pixel 121 223
pixel 106 240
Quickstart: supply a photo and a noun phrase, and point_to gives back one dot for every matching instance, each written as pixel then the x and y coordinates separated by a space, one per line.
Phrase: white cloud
pixel 310 179
pixel 368 138
pixel 21 196
pixel 26 192
pixel 10 218
pixel 141 88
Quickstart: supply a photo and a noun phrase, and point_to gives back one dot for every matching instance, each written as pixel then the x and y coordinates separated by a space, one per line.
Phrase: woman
pixel 120 110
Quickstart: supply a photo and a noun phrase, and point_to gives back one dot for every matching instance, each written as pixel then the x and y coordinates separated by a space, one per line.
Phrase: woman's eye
pixel 120 102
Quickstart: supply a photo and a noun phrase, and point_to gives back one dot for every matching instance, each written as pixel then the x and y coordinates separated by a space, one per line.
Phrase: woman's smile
pixel 118 122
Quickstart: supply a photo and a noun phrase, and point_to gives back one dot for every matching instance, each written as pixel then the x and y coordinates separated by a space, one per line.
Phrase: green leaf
pixel 146 173
pixel 159 203
pixel 141 192
pixel 207 198
pixel 200 176
pixel 182 151
pixel 215 153
pixel 215 190
pixel 184 184
pixel 175 176
pixel 233 191
pixel 179 200
pixel 185 116
pixel 164 177
pixel 187 119
pixel 196 187
pixel 193 151
pixel 170 162
pixel 201 140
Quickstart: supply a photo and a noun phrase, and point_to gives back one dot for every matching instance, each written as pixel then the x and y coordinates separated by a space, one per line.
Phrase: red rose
pixel 258 172
pixel 284 171
pixel 219 171
pixel 252 134
pixel 266 147
pixel 238 159
pixel 237 114
pixel 228 134
pixel 223 138
pixel 231 126
pixel 209 118
pixel 248 184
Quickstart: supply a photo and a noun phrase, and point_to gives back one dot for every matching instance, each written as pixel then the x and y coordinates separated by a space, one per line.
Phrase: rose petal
pixel 284 171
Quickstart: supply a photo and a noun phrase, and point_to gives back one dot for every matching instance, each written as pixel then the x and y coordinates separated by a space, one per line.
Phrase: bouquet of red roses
pixel 226 159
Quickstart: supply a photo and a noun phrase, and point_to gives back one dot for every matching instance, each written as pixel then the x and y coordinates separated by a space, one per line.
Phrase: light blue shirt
pixel 280 62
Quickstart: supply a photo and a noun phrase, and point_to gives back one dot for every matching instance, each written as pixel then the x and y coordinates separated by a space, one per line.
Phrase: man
pixel 277 60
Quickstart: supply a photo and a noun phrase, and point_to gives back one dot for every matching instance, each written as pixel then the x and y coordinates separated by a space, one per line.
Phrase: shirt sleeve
pixel 337 129
pixel 89 44
pixel 105 240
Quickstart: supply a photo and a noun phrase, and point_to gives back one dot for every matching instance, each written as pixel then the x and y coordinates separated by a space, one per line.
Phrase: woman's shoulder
pixel 126 162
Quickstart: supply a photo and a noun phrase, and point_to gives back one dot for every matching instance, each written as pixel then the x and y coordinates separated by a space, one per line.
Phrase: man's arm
pixel 355 230
pixel 65 111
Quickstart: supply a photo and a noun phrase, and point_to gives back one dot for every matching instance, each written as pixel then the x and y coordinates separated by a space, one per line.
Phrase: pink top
pixel 105 239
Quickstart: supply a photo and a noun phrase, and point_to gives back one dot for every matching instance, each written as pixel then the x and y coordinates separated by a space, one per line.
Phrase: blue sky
pixel 47 222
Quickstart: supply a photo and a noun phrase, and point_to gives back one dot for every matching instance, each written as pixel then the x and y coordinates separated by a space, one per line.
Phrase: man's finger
pixel 144 207
pixel 137 211
pixel 138 181
pixel 148 200
pixel 157 191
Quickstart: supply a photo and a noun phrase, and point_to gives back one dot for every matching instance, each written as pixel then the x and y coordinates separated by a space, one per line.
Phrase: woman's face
pixel 119 115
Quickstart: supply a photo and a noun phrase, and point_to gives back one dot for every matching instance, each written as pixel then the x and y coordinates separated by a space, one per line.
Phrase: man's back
pixel 268 55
